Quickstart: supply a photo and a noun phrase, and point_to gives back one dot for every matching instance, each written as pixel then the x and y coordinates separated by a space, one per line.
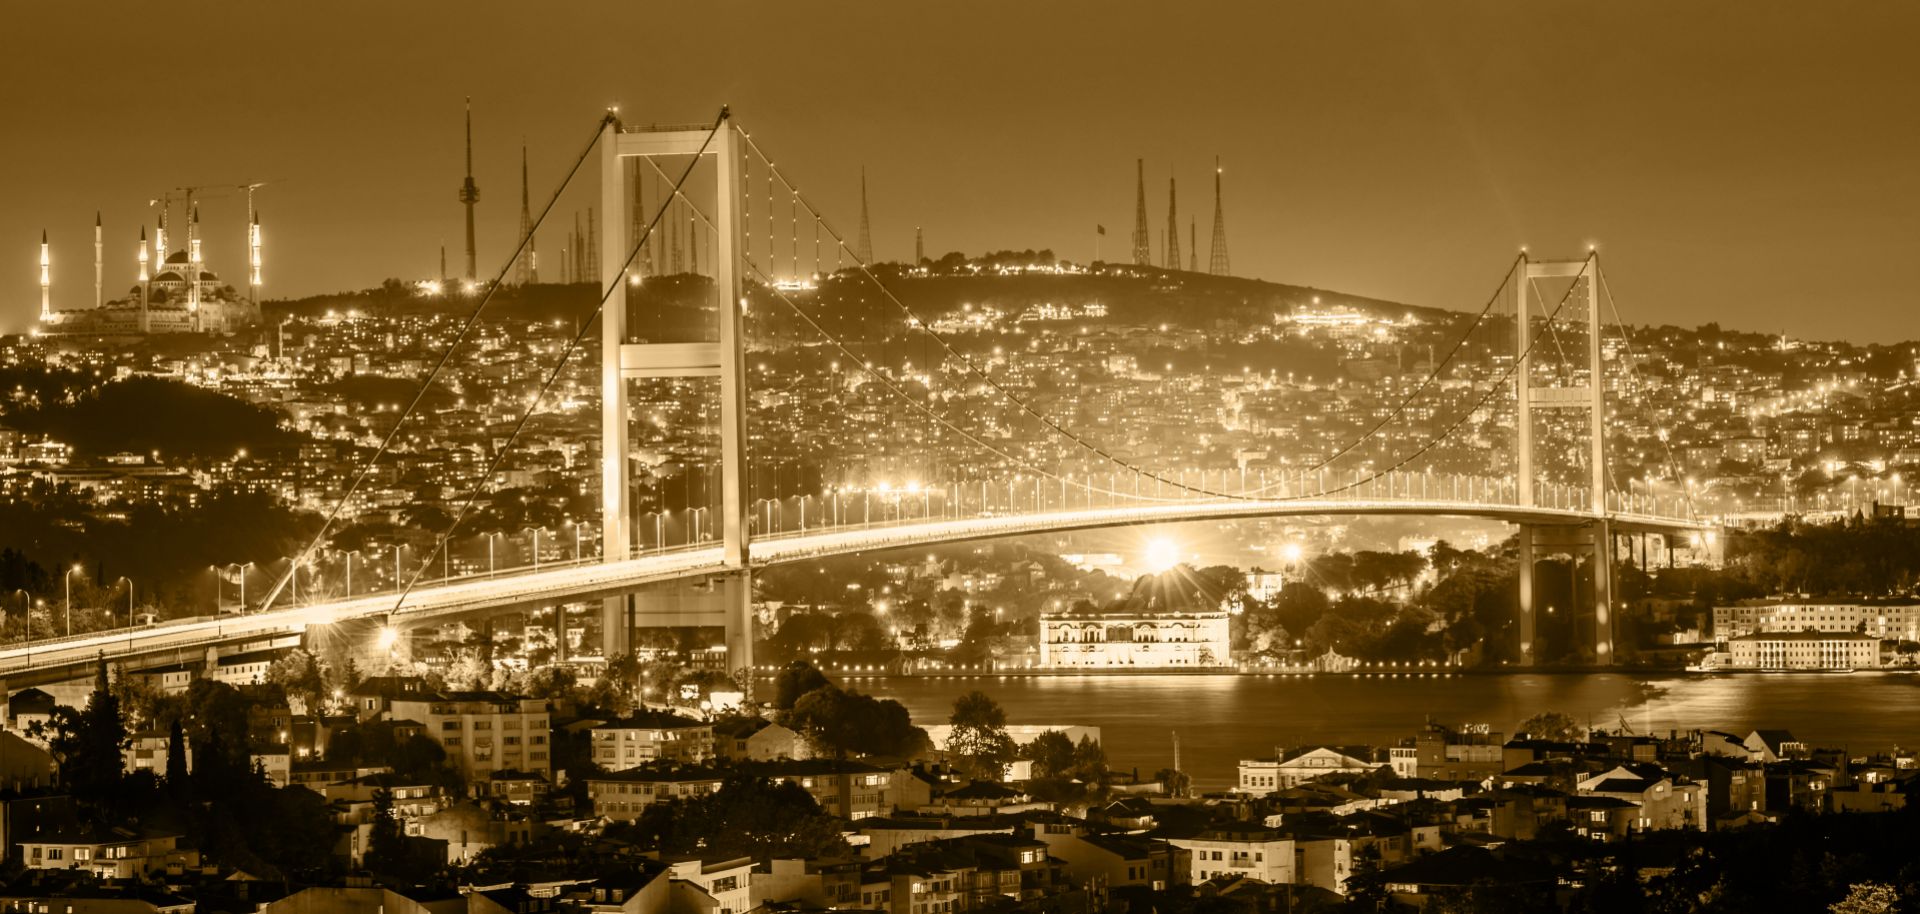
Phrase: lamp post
pixel 490 539
pixel 68 580
pixel 129 599
pixel 242 567
pixel 536 548
pixel 350 554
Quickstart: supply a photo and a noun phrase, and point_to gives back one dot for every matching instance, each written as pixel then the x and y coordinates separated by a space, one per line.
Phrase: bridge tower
pixel 1591 538
pixel 724 600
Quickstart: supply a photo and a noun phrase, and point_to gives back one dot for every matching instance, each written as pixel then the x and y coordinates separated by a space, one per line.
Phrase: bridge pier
pixel 723 601
pixel 1593 541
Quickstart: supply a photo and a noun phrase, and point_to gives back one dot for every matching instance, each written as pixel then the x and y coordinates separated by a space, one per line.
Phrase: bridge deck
pixel 588 580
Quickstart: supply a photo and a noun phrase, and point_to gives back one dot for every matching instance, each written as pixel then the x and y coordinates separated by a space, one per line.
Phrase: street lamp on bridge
pixel 68 580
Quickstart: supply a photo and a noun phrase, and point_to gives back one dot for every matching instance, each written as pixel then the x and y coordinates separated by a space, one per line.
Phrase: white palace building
pixel 1122 640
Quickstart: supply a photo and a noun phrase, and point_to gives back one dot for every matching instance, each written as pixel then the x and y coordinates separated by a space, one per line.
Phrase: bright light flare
pixel 388 637
pixel 1161 555
pixel 1291 553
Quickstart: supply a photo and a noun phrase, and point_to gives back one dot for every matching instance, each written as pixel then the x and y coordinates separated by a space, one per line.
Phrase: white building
pixel 1805 651
pixel 1253 851
pixel 1293 767
pixel 1886 621
pixel 1134 640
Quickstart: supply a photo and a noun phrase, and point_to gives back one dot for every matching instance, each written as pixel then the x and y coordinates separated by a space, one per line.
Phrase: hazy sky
pixel 1747 162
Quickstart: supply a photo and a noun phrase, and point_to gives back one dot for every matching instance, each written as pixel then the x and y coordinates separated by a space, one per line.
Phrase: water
pixel 1224 718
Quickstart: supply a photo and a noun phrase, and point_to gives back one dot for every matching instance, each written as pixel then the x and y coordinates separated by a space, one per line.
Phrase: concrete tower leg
pixel 616 626
pixel 738 606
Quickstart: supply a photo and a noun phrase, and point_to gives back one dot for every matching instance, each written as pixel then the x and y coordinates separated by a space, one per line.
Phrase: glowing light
pixel 1291 553
pixel 388 637
pixel 1161 555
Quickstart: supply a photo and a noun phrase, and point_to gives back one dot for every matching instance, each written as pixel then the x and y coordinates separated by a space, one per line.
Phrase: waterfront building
pixel 1470 753
pixel 1103 639
pixel 1809 650
pixel 1886 621
pixel 1290 768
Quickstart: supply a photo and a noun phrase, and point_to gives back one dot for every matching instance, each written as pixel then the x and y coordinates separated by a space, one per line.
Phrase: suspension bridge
pixel 1524 389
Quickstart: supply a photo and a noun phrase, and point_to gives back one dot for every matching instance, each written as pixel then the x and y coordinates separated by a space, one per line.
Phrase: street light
pixel 536 548
pixel 68 580
pixel 490 538
pixel 350 554
pixel 242 568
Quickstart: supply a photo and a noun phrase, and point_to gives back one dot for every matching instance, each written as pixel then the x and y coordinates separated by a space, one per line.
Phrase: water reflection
pixel 1224 718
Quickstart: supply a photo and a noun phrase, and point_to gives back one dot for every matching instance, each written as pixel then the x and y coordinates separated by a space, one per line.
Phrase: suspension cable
pixel 619 277
pixel 426 383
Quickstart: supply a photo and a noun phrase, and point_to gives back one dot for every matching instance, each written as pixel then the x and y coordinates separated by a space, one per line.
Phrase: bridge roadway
pixel 187 640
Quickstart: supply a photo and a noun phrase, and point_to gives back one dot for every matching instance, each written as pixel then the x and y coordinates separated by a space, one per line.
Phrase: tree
pixel 747 817
pixel 386 841
pixel 842 724
pixel 299 674
pixel 91 744
pixel 179 776
pixel 978 741
pixel 1553 725
pixel 1867 898
pixel 795 680
pixel 1051 754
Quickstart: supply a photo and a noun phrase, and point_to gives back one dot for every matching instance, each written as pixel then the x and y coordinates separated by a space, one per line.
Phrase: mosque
pixel 175 292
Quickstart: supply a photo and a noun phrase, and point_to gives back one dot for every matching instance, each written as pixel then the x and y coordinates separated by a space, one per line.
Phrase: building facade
pixel 483 732
pixel 1886 621
pixel 1134 640
pixel 1805 651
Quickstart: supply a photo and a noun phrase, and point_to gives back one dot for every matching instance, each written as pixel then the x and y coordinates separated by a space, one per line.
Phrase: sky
pixel 1751 163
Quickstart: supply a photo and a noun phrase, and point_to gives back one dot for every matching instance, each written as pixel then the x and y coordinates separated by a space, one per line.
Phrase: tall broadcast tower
pixel 469 195
pixel 529 267
pixel 46 279
pixel 1219 266
pixel 865 251
pixel 1173 225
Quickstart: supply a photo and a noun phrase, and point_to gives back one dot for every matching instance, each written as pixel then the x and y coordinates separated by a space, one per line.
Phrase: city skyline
pixel 1751 182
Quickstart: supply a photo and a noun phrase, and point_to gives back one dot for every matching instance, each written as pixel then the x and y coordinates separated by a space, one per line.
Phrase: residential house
pixel 1240 849
pixel 651 736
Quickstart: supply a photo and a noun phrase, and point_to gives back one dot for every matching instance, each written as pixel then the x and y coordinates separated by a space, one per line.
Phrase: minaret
pixel 193 261
pixel 525 273
pixel 99 263
pixel 1142 243
pixel 1173 226
pixel 145 278
pixel 1193 245
pixel 469 195
pixel 160 239
pixel 1218 266
pixel 46 279
pixel 919 247
pixel 253 257
pixel 865 250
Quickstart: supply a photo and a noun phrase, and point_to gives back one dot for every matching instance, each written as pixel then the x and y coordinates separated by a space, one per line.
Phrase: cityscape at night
pixel 871 463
